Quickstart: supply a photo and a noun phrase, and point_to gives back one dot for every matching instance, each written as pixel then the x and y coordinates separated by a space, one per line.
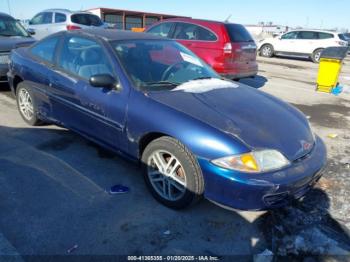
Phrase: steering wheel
pixel 171 68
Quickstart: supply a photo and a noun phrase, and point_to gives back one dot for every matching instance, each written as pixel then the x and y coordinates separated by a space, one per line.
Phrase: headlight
pixel 254 162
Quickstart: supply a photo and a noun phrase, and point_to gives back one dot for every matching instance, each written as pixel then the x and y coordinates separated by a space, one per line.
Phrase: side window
pixel 84 58
pixel 308 35
pixel 325 35
pixel 60 18
pixel 291 35
pixel 186 31
pixel 162 29
pixel 203 34
pixel 45 50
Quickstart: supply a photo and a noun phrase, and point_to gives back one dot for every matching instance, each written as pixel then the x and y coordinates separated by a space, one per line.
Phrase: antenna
pixel 228 18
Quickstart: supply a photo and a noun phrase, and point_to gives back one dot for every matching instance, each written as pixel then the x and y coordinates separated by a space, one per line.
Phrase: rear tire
pixel 316 55
pixel 172 173
pixel 266 50
pixel 26 105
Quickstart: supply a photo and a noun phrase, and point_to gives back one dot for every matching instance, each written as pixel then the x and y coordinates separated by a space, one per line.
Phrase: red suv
pixel 228 48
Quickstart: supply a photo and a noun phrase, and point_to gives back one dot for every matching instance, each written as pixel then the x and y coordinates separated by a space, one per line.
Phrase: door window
pixel 45 50
pixel 290 35
pixel 186 31
pixel 84 58
pixel 308 35
pixel 42 18
pixel 162 29
pixel 60 18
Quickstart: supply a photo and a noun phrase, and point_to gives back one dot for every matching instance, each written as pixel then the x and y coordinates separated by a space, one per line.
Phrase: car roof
pixel 314 30
pixel 65 11
pixel 114 34
pixel 192 20
pixel 3 15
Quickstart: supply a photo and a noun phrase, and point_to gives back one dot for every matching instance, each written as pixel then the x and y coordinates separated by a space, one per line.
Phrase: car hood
pixel 254 117
pixel 9 43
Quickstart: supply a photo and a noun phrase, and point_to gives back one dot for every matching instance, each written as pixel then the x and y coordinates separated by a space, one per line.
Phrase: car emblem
pixel 306 145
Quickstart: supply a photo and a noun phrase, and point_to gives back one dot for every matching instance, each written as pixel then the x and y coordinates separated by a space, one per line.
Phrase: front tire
pixel 172 173
pixel 316 55
pixel 266 50
pixel 26 105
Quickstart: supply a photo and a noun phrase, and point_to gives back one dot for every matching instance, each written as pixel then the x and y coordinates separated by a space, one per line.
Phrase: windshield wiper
pixel 162 83
pixel 202 78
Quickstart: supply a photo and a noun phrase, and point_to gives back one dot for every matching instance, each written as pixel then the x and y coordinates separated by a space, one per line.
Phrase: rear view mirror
pixel 103 80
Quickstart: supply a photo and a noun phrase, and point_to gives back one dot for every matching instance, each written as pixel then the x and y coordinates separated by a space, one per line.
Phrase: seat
pixel 92 63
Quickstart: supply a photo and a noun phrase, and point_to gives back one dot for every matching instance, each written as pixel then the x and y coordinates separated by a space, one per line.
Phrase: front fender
pixel 146 116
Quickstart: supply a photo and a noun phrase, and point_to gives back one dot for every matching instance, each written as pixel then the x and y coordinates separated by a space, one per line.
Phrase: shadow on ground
pixel 54 196
pixel 256 82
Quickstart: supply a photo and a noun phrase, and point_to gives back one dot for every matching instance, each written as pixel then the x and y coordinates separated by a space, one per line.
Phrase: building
pixel 128 20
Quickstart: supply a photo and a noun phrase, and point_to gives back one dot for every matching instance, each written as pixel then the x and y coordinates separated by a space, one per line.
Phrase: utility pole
pixel 9 7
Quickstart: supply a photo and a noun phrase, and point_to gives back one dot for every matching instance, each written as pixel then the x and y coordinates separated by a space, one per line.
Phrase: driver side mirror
pixel 104 80
pixel 31 31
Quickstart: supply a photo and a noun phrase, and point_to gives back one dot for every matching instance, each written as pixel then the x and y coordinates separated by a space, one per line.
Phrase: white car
pixel 301 43
pixel 54 20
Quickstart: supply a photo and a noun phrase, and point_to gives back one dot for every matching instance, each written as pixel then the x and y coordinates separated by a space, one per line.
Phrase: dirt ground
pixel 53 194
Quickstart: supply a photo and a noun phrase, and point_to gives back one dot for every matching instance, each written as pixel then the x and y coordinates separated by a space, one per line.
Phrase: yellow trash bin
pixel 331 62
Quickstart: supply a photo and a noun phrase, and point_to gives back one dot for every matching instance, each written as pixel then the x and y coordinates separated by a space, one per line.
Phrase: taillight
pixel 73 27
pixel 228 48
pixel 342 43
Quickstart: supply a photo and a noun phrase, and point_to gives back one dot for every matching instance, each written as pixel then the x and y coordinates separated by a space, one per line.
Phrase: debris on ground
pixel 118 189
pixel 70 250
pixel 265 256
pixel 332 135
pixel 167 232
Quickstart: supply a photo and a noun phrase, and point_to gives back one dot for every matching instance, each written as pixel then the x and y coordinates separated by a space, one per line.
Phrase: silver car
pixel 51 21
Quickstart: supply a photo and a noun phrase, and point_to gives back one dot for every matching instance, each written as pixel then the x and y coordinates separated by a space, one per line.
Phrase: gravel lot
pixel 53 194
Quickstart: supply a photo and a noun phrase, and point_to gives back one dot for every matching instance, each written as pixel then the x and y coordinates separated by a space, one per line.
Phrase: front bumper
pixel 3 71
pixel 263 191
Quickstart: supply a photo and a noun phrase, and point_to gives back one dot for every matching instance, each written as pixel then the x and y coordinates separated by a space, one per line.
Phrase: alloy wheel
pixel 25 103
pixel 166 175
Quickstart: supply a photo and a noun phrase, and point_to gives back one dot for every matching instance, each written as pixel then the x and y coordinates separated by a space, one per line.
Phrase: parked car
pixel 345 37
pixel 301 43
pixel 152 100
pixel 12 35
pixel 226 47
pixel 54 20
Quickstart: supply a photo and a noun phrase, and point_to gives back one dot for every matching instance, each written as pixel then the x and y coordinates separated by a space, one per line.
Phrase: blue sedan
pixel 152 100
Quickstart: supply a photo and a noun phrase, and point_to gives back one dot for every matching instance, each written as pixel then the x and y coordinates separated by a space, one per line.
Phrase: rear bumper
pixel 263 191
pixel 238 70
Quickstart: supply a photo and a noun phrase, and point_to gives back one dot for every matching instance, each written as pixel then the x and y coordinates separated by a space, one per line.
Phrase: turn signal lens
pixel 254 162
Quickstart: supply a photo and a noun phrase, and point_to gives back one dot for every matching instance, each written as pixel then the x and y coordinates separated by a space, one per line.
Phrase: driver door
pixel 96 112
pixel 287 42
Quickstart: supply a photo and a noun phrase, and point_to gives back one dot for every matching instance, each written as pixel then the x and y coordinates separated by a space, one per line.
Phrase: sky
pixel 324 14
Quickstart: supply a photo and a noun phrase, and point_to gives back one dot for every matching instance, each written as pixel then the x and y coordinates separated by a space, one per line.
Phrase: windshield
pixel 160 64
pixel 238 33
pixel 10 27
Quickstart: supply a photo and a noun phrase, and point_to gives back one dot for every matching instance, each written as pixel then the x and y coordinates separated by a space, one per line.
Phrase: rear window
pixel 86 19
pixel 238 33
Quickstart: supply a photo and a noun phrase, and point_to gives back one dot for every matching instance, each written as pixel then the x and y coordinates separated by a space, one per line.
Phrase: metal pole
pixel 9 7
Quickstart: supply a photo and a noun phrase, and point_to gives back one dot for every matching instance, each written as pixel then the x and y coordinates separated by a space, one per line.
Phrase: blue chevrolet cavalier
pixel 152 100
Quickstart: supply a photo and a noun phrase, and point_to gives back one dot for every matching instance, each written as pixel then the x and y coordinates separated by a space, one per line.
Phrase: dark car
pixel 152 100
pixel 12 35
pixel 226 47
